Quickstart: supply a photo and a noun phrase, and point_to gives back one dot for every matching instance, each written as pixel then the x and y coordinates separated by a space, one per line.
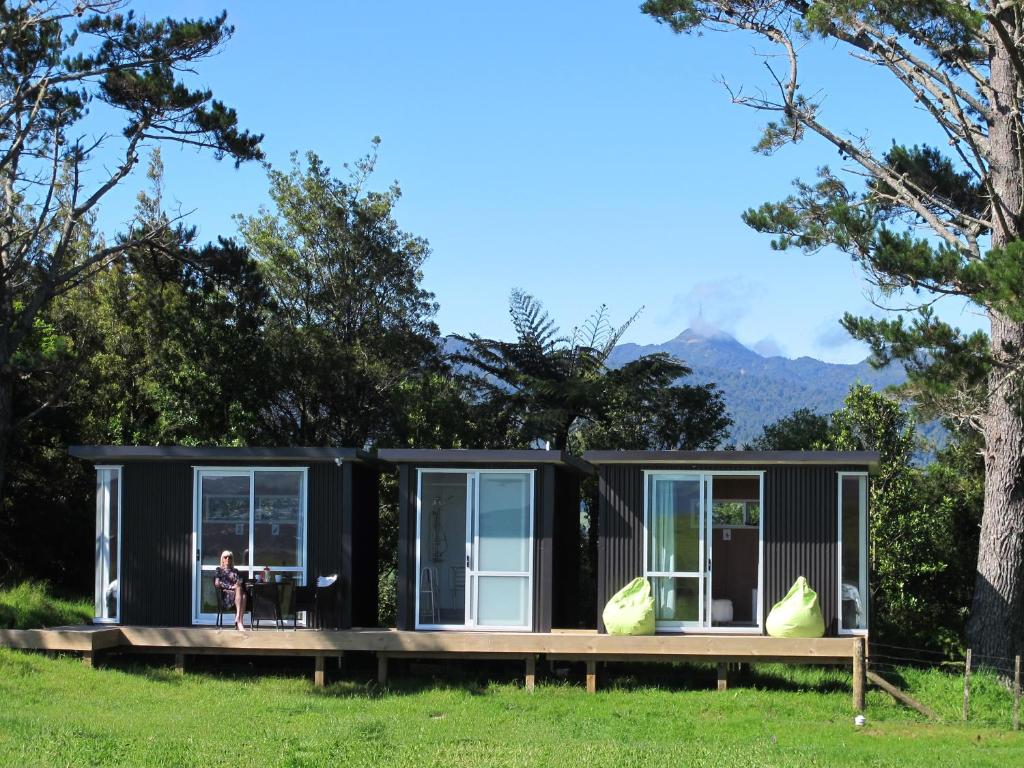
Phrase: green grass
pixel 59 712
pixel 31 604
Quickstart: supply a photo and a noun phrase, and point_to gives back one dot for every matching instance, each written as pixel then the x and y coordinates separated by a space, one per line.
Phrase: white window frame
pixel 232 471
pixel 104 474
pixel 706 478
pixel 862 532
pixel 472 550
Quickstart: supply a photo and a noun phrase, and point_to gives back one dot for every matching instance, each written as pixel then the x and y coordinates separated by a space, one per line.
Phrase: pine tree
pixel 963 63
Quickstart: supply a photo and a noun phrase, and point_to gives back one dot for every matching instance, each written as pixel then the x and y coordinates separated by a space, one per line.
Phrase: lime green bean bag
pixel 798 614
pixel 631 610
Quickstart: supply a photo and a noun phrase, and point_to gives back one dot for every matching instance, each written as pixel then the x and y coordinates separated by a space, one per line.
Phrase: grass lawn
pixel 58 712
pixel 31 604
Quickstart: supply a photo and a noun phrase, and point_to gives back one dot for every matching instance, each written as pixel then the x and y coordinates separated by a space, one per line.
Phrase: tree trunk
pixel 996 628
pixel 6 427
pixel 996 623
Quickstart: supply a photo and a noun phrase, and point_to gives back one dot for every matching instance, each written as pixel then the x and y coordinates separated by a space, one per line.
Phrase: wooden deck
pixel 569 645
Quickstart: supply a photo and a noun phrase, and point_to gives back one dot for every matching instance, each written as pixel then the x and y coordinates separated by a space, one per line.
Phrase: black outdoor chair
pixel 319 602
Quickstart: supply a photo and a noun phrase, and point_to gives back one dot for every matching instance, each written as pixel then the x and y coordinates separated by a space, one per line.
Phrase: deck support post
pixel 723 676
pixel 859 674
pixel 382 669
pixel 179 663
pixel 319 672
pixel 341 660
pixel 531 672
pixel 89 658
pixel 591 677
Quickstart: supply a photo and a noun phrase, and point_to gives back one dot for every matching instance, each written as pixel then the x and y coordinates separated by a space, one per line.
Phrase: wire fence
pixel 894 660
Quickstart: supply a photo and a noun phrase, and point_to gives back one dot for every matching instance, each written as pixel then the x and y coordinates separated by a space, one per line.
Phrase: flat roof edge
pixel 482 456
pixel 867 458
pixel 109 453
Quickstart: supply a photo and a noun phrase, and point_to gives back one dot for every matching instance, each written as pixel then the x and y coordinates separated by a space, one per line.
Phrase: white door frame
pixel 706 479
pixel 472 549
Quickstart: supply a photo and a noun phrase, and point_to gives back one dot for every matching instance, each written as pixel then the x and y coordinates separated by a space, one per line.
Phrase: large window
pixel 108 543
pixel 257 514
pixel 853 556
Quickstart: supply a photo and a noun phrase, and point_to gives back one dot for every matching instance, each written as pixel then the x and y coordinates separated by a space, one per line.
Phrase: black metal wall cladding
pixel 157 556
pixel 155 576
pixel 556 535
pixel 800 530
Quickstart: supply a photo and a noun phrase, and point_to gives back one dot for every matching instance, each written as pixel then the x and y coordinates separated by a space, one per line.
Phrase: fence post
pixel 859 674
pixel 967 684
pixel 1016 693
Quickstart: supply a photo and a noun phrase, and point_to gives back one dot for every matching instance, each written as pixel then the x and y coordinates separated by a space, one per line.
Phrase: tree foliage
pixel 559 389
pixel 352 326
pixel 802 430
pixel 65 69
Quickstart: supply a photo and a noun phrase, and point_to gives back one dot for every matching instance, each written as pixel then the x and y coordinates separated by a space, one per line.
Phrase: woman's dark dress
pixel 225 581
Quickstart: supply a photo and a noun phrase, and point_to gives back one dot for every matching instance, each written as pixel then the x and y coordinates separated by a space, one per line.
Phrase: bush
pixel 31 605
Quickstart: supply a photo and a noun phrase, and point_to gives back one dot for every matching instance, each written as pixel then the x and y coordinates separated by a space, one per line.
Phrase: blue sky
pixel 579 151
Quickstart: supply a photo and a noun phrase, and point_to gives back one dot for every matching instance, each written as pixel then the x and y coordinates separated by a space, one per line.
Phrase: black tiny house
pixel 722 535
pixel 488 539
pixel 165 513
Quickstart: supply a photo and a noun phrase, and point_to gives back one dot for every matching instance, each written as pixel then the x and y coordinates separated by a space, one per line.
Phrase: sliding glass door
pixel 259 515
pixel 474 559
pixel 702 539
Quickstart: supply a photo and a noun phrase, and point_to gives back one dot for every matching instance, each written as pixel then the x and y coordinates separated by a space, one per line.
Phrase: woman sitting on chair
pixel 231 586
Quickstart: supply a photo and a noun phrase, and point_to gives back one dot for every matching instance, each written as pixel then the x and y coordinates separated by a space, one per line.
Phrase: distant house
pixel 722 535
pixel 165 514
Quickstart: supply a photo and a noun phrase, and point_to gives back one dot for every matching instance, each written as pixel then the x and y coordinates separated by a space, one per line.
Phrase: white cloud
pixel 715 305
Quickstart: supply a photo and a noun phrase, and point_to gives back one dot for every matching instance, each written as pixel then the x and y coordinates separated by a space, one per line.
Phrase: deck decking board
pixel 555 644
pixel 570 645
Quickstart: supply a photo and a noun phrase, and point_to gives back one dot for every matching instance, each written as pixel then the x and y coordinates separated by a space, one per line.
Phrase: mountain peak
pixel 705 333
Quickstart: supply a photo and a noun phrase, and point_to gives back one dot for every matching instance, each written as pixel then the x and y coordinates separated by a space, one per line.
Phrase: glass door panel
pixel 677 598
pixel 108 518
pixel 503 601
pixel 675 547
pixel 224 518
pixel 441 577
pixel 277 527
pixel 503 536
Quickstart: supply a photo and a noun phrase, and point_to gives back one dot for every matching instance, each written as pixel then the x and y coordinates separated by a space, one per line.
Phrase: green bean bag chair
pixel 798 614
pixel 631 610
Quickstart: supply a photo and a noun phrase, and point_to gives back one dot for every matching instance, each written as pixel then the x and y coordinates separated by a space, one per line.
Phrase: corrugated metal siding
pixel 406 587
pixel 365 516
pixel 156 548
pixel 543 538
pixel 620 531
pixel 800 535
